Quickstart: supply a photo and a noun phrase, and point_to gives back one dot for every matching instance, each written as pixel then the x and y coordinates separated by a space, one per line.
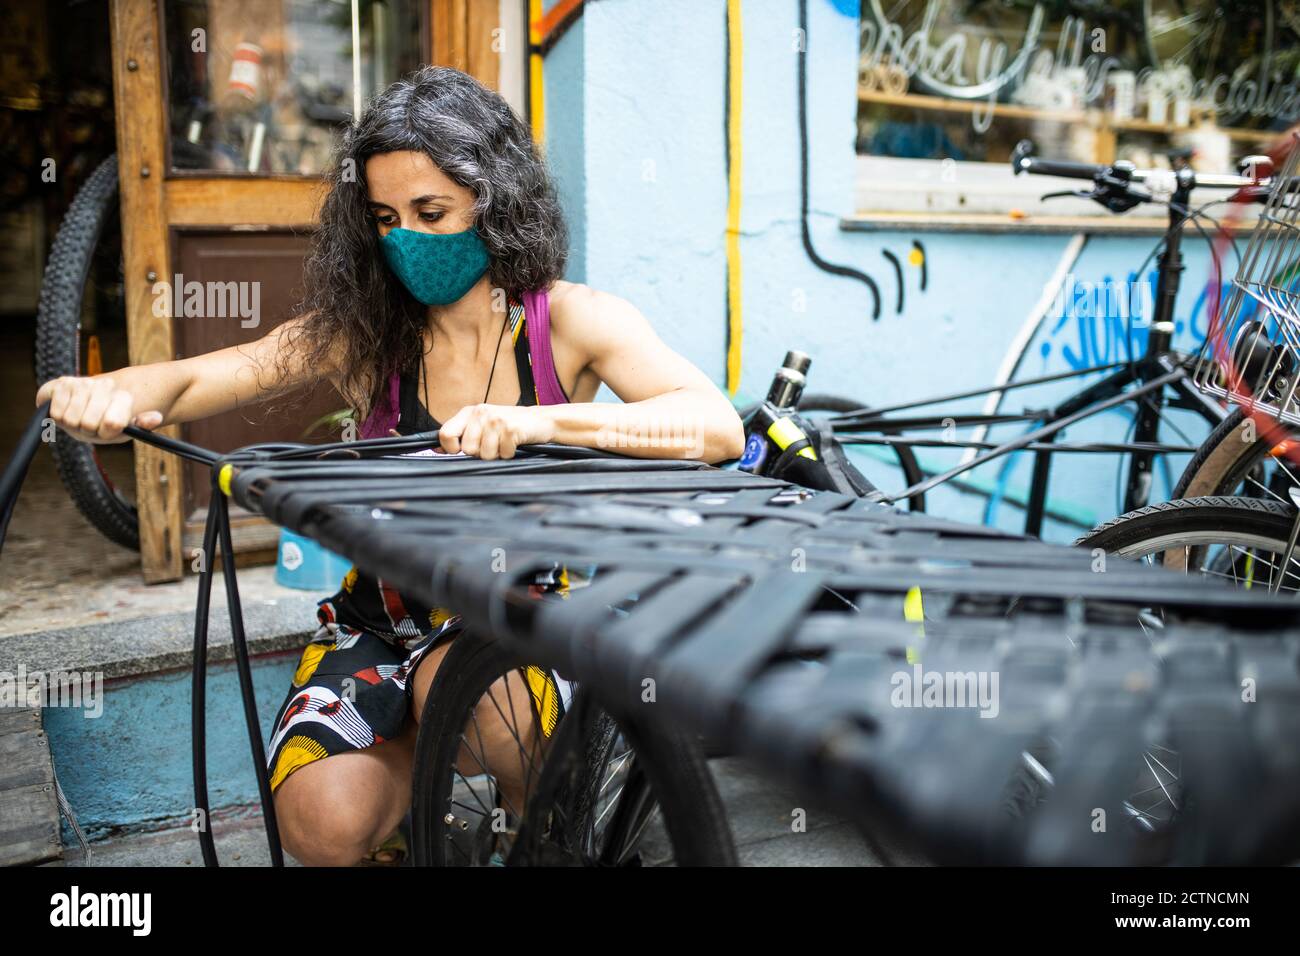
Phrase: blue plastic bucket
pixel 302 563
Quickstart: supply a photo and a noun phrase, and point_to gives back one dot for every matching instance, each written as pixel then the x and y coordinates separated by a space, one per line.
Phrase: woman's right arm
pixel 97 408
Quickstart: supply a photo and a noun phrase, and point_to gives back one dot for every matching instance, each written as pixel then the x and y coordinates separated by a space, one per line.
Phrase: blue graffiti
pixel 1106 322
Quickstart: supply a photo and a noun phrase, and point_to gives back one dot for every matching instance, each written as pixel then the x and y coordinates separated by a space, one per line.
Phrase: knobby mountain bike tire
pixel 58 351
pixel 670 772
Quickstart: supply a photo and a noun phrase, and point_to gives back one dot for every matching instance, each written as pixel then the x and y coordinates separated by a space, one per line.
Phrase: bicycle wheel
pixel 58 352
pixel 1240 540
pixel 507 774
pixel 1234 460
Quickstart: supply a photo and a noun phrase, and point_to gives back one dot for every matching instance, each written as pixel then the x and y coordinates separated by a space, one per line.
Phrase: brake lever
pixel 1077 193
pixel 1115 197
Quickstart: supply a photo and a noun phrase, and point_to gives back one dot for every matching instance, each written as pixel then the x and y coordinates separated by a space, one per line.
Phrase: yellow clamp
pixel 223 478
pixel 785 433
pixel 914 613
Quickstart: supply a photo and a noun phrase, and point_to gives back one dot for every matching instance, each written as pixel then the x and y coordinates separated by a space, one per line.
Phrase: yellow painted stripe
pixel 537 92
pixel 735 85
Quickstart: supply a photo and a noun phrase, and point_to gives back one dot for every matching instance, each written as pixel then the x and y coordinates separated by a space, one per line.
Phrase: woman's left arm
pixel 670 408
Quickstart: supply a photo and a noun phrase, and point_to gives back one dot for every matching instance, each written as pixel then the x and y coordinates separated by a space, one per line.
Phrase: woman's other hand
pixel 94 409
pixel 494 431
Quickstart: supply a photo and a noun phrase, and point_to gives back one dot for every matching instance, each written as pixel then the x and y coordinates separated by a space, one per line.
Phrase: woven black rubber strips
pixel 1005 699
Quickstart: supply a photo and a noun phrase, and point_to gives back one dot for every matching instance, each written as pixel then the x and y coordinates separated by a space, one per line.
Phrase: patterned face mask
pixel 437 269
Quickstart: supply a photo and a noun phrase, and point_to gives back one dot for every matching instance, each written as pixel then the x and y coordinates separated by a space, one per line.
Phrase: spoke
pixel 1254 555
pixel 483 808
pixel 1281 462
pixel 482 754
pixel 1169 26
pixel 1266 489
pixel 523 753
pixel 524 767
pixel 613 800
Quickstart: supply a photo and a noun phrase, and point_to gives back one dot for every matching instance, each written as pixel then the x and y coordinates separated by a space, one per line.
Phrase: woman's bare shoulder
pixel 575 307
pixel 568 297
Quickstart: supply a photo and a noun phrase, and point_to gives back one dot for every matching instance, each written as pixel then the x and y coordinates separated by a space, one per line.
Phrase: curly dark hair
pixel 354 308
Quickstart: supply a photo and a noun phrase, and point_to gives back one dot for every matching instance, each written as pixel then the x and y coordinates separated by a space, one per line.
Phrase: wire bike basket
pixel 1252 347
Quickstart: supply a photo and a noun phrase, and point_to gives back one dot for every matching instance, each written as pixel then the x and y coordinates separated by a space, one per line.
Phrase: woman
pixel 435 269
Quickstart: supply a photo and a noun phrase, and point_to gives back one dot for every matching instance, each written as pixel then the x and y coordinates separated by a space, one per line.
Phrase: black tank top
pixel 413 417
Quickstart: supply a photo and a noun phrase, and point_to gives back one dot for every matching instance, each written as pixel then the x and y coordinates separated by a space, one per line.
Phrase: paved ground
pixel 759 812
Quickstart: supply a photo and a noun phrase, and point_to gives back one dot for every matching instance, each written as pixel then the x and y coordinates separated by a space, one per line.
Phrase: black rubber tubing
pixel 11 481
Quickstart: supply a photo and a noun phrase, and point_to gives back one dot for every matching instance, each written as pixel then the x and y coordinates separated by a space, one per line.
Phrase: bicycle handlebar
pixel 1023 160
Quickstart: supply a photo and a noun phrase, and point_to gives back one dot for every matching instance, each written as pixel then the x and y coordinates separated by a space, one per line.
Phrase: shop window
pixel 946 88
pixel 263 87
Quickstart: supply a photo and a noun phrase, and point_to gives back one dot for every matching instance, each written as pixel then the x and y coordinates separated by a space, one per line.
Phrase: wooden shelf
pixel 1024 223
pixel 942 105
pixel 1096 118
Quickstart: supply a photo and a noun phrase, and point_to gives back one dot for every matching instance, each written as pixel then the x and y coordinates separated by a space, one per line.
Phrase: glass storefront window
pixel 1091 80
pixel 263 87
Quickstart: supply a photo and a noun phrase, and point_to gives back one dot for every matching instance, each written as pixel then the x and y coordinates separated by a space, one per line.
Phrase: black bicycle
pixel 1152 383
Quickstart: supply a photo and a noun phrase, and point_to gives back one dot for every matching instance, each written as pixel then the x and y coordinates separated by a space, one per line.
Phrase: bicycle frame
pixel 1158 368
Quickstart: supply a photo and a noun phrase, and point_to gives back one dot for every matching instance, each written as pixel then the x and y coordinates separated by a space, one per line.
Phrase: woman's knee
pixel 330 815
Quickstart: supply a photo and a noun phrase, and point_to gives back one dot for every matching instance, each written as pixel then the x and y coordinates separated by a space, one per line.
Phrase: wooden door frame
pixel 461 34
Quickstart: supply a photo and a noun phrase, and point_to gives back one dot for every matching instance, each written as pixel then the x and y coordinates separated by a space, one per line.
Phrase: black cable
pixel 246 681
pixel 182 449
pixel 802 59
pixel 198 686
pixel 11 481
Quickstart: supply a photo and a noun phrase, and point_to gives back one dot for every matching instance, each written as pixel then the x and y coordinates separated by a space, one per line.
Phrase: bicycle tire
pixel 673 764
pixel 1269 520
pixel 1223 460
pixel 58 351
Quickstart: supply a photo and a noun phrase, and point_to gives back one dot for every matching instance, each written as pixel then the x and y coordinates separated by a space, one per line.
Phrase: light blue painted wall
pixel 649 88
pixel 565 147
pixel 130 767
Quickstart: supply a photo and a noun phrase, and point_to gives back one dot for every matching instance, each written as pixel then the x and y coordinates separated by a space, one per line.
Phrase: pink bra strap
pixel 385 413
pixel 537 309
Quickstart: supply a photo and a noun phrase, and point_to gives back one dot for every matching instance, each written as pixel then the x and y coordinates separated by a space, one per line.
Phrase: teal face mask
pixel 436 268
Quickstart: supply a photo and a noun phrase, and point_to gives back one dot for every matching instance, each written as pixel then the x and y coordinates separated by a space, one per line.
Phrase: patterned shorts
pixel 350 691
pixel 352 686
